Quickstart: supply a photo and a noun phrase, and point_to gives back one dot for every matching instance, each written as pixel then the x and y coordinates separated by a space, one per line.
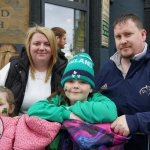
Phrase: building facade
pixel 88 22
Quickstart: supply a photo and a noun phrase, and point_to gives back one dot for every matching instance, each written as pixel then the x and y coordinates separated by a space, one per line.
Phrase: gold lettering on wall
pixel 14 20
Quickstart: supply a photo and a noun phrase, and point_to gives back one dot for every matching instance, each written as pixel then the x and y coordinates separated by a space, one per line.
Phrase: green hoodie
pixel 96 109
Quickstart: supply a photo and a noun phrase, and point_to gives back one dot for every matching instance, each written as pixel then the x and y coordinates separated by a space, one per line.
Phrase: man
pixel 125 79
pixel 60 35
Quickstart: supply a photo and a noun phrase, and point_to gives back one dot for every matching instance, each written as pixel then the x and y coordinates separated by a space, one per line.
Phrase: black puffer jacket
pixel 18 75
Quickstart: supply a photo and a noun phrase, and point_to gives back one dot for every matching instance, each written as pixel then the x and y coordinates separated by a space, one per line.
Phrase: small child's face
pixel 4 106
pixel 77 90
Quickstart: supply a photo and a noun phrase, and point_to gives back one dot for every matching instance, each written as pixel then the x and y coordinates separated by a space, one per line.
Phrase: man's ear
pixel 11 109
pixel 57 39
pixel 143 33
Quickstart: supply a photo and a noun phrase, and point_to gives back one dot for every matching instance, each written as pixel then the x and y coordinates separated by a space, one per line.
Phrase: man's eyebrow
pixel 116 35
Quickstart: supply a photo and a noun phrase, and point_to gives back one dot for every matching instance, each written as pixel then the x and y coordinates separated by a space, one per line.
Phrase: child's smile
pixel 77 90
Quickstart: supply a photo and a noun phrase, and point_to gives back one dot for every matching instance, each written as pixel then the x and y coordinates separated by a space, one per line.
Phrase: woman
pixel 36 72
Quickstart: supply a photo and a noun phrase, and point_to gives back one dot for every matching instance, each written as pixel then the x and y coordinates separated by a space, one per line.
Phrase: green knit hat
pixel 80 67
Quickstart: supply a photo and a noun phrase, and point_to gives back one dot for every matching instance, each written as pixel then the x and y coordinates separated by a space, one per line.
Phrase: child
pixel 15 133
pixel 7 102
pixel 76 99
pixel 7 50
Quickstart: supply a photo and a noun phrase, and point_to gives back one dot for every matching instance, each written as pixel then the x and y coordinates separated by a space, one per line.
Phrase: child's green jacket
pixel 97 109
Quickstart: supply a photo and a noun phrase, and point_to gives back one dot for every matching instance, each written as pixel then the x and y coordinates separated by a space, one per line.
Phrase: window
pixel 80 1
pixel 73 20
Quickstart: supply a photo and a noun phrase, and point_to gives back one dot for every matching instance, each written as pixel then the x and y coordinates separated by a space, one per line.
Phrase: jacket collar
pixel 116 57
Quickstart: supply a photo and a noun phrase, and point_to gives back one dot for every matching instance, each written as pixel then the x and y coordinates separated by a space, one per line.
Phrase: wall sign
pixel 14 20
pixel 105 22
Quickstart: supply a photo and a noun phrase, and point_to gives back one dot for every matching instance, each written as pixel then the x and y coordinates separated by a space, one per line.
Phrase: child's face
pixel 4 106
pixel 77 90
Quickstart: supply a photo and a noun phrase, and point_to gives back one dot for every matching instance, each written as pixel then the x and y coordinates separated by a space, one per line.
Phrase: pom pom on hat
pixel 80 67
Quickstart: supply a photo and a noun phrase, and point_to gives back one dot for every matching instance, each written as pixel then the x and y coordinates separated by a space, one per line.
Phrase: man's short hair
pixel 125 17
pixel 58 31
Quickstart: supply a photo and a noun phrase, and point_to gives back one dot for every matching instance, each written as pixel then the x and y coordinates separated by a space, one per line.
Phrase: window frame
pixel 74 5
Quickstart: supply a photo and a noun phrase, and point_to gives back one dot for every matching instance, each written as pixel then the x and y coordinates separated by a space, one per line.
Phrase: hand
pixel 73 116
pixel 17 117
pixel 120 126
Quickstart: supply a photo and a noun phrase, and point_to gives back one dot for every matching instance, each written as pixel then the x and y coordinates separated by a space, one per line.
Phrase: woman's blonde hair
pixel 52 41
pixel 7 50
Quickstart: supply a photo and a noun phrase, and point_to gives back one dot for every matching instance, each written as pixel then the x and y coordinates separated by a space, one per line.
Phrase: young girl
pixel 76 99
pixel 7 102
pixel 15 132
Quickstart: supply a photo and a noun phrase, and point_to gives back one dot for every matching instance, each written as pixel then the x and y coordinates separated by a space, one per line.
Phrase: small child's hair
pixel 10 99
pixel 7 50
pixel 62 95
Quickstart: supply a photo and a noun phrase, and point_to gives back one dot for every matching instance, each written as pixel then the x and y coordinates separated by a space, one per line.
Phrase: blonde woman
pixel 7 50
pixel 36 72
